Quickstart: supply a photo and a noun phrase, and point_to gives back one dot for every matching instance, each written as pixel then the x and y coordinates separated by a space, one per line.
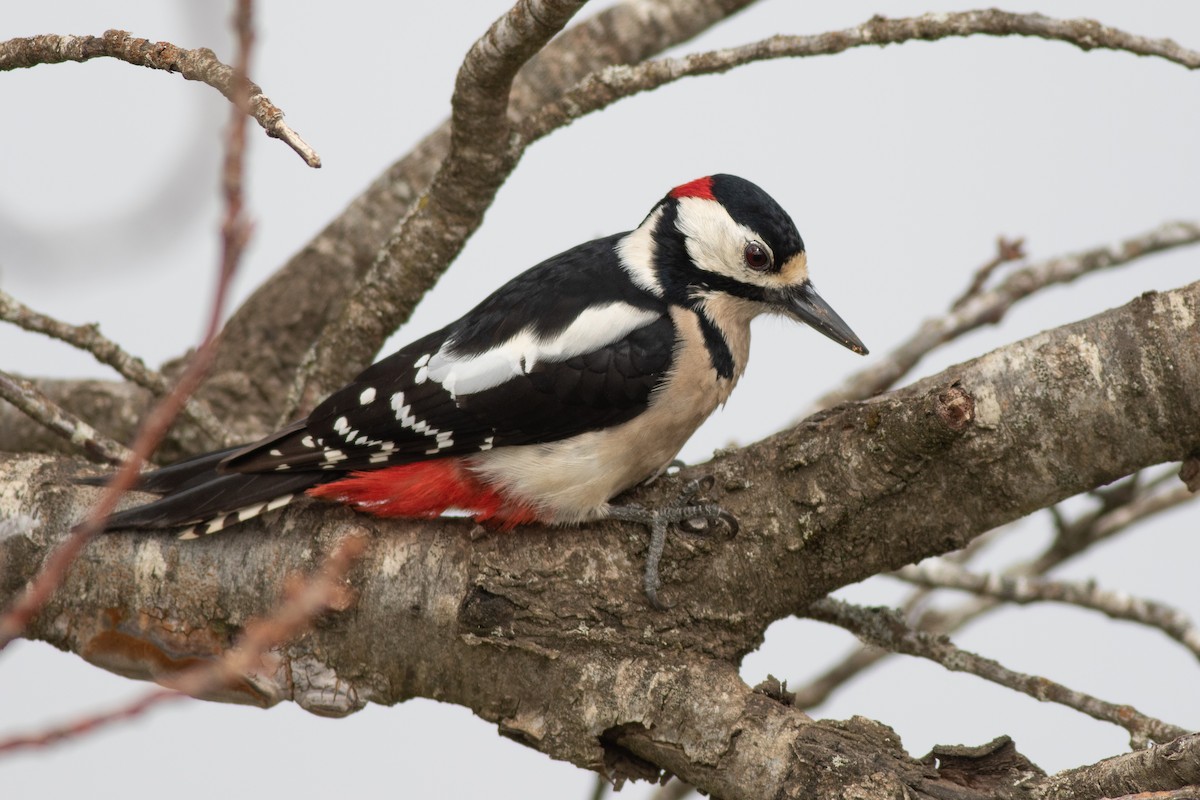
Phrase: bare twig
pixel 938 574
pixel 1007 250
pixel 307 599
pixel 234 233
pixel 89 339
pixel 1079 535
pixel 25 396
pixel 200 64
pixel 614 83
pixel 990 307
pixel 887 629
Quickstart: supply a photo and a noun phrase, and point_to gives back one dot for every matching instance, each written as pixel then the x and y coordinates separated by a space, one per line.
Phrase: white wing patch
pixel 592 330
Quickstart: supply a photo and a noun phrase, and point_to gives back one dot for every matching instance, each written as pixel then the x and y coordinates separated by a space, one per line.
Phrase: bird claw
pixel 698 519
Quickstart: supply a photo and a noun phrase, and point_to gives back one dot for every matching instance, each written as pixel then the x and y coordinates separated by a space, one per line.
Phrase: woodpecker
pixel 571 383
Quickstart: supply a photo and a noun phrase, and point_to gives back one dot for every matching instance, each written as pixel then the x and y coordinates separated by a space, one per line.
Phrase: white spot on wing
pixel 367 397
pixel 341 425
pixel 422 361
pixel 307 441
pixel 276 453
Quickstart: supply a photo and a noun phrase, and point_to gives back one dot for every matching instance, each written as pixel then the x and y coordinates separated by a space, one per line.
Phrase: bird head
pixel 722 237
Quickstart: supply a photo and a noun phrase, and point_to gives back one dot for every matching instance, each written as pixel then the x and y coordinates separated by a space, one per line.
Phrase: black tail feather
pixel 172 477
pixel 214 498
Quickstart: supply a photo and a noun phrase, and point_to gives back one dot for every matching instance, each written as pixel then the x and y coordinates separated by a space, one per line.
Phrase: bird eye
pixel 756 256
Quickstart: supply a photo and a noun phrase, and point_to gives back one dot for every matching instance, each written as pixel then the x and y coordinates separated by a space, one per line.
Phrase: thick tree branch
pixel 304 600
pixel 511 625
pixel 1162 768
pixel 193 65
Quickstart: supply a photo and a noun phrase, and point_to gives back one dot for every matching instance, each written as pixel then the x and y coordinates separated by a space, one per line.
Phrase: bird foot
pixel 698 519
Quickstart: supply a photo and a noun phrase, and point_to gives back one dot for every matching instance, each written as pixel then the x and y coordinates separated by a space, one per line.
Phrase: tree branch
pixel 510 625
pixel 193 65
pixel 884 628
pixel 1163 768
pixel 25 397
pixel 303 601
pixel 1082 533
pixel 989 307
pixel 89 339
pixel 476 166
pixel 935 574
pixel 603 88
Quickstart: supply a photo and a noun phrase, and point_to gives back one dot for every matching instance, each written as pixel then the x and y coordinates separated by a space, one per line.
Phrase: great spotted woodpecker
pixel 571 383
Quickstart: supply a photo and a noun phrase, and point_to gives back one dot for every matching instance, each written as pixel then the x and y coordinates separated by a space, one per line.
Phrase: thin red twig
pixel 234 234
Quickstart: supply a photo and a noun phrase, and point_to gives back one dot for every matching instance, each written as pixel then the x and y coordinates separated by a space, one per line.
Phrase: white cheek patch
pixel 714 240
pixel 592 330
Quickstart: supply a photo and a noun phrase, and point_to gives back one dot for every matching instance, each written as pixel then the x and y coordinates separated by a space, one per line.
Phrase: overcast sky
pixel 900 166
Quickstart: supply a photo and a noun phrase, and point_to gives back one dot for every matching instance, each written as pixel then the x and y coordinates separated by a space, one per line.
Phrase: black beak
pixel 803 303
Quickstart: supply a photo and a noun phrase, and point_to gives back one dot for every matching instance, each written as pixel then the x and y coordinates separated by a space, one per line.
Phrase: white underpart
pixel 636 252
pixel 592 330
pixel 714 240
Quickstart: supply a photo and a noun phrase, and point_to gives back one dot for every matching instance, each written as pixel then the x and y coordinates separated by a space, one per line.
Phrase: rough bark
pixel 546 632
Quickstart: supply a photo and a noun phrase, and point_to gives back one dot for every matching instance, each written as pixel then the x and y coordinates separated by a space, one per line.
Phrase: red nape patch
pixel 701 187
pixel 426 489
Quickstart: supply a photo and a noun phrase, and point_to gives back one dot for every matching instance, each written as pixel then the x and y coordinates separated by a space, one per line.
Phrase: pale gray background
pixel 900 166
